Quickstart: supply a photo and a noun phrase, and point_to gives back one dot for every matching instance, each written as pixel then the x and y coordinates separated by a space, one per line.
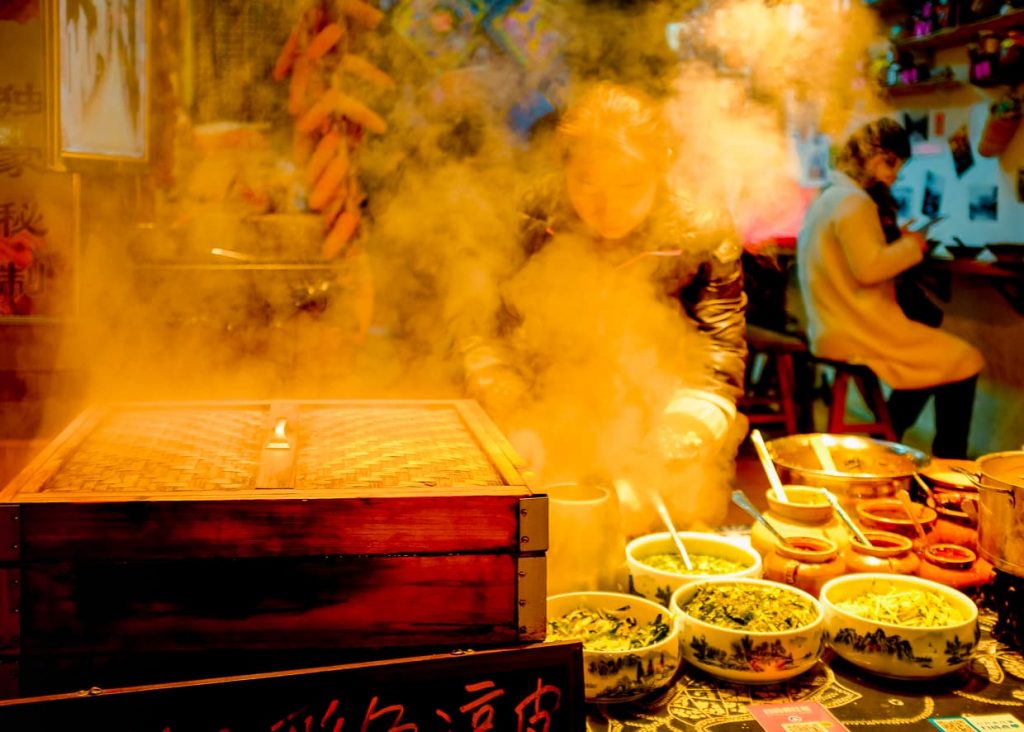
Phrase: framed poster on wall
pixel 98 70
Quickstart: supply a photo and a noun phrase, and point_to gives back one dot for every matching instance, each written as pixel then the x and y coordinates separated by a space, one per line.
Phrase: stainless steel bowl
pixel 865 467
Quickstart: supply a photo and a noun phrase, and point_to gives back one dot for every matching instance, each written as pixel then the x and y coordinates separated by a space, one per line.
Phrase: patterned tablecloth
pixel 992 683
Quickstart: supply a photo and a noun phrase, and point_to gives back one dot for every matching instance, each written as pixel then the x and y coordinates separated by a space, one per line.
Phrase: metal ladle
pixel 741 500
pixel 909 508
pixel 841 513
pixel 663 512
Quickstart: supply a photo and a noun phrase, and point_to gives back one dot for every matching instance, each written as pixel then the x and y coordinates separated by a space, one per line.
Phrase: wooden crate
pixel 163 529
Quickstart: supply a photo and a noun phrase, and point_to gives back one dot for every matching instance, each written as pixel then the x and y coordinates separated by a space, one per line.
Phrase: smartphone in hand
pixel 923 228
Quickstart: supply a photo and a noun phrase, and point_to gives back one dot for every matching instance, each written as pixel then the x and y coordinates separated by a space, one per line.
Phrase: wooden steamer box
pixel 145 534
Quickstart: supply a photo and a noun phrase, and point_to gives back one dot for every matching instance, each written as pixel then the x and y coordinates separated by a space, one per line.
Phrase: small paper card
pixel 977 723
pixel 805 716
pixel 992 722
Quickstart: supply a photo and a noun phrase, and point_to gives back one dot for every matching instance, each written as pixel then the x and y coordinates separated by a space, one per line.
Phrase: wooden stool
pixel 870 389
pixel 777 350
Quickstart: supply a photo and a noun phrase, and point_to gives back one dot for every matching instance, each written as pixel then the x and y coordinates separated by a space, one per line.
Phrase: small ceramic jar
pixel 889 553
pixel 888 514
pixel 955 566
pixel 806 562
pixel 806 512
pixel 955 525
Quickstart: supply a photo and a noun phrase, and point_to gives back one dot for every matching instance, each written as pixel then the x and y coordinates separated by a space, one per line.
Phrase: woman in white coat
pixel 847 271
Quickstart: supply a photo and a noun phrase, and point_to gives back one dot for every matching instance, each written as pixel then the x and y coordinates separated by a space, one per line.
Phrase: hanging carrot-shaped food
pixel 322 155
pixel 359 66
pixel 336 206
pixel 341 233
pixel 360 114
pixel 334 101
pixel 328 183
pixel 324 41
pixel 302 71
pixel 289 53
pixel 361 12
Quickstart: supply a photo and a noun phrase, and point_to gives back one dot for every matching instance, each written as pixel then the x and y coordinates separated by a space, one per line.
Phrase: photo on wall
pixel 903 195
pixel 916 126
pixel 960 146
pixel 934 185
pixel 983 203
pixel 98 48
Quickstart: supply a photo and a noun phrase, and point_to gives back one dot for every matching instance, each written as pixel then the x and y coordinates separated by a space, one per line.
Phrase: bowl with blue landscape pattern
pixel 630 645
pixel 899 626
pixel 656 570
pixel 748 630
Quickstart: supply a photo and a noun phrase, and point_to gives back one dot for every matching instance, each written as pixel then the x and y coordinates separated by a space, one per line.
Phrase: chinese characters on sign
pixel 533 713
pixel 20 100
pixel 24 267
pixel 16 160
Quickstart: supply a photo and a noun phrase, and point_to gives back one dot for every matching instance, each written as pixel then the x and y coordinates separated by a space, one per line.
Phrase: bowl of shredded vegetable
pixel 630 645
pixel 899 626
pixel 656 569
pixel 747 630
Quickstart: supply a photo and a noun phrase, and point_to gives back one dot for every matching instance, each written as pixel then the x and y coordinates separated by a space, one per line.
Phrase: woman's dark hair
pixel 893 138
pixel 883 136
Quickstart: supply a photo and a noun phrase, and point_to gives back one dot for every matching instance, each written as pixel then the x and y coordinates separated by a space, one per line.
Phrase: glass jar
pixel 889 553
pixel 586 551
pixel 806 513
pixel 805 562
pixel 955 566
pixel 888 514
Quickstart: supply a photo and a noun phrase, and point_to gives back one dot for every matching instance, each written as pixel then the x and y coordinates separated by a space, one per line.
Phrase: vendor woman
pixel 618 347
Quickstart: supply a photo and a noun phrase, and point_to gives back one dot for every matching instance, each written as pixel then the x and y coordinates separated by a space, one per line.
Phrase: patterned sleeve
pixel 715 300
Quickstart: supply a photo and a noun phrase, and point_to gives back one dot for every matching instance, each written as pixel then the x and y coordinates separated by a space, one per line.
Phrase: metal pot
pixel 1000 483
pixel 865 467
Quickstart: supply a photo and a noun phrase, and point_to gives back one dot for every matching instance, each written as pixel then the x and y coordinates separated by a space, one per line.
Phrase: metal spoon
pixel 925 487
pixel 841 512
pixel 663 512
pixel 905 500
pixel 741 500
pixel 823 454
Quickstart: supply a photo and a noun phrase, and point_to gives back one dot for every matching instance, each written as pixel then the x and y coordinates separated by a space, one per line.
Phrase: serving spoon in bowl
pixel 663 512
pixel 741 500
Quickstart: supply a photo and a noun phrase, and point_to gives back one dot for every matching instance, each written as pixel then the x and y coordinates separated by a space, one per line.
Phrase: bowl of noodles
pixel 899 626
pixel 630 645
pixel 656 569
pixel 749 631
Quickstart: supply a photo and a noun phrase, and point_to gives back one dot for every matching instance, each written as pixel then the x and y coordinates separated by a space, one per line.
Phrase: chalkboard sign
pixel 537 688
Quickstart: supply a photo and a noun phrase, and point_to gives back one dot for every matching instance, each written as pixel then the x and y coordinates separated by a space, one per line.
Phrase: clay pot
pixel 807 562
pixel 955 566
pixel 805 513
pixel 889 553
pixel 888 514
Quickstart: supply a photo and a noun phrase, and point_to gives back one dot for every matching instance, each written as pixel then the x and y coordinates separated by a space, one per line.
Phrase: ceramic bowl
pixel 622 676
pixel 744 656
pixel 658 585
pixel 898 651
pixel 964 251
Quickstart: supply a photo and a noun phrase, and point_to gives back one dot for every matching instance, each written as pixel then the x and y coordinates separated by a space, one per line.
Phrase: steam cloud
pixel 442 224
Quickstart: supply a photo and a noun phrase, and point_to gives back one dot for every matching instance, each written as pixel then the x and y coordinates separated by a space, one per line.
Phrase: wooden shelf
pixel 922 87
pixel 888 7
pixel 961 34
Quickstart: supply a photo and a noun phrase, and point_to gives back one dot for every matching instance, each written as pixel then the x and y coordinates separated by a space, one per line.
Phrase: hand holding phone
pixel 923 228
